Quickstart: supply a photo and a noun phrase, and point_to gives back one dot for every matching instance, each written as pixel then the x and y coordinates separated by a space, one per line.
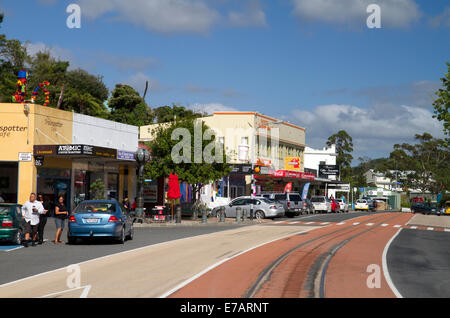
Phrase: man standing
pixel 31 211
pixel 43 217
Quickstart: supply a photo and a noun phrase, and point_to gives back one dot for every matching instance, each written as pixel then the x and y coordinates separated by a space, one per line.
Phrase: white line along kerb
pixel 385 267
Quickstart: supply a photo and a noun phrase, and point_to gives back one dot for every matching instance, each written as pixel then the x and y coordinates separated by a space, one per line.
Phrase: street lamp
pixel 142 156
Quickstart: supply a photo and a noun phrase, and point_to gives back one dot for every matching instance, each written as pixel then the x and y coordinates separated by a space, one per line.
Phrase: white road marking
pixel 385 267
pixel 397 226
pixel 413 227
pixel 342 223
pixel 430 228
pixel 84 294
pixel 324 223
pixel 310 222
pixel 278 222
pixel 369 224
pixel 14 249
pixel 384 225
pixel 356 223
pixel 294 222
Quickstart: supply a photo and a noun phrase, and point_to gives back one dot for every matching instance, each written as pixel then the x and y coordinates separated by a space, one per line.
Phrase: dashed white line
pixel 356 223
pixel 384 225
pixel 397 226
pixel 294 222
pixel 310 222
pixel 430 228
pixel 324 223
pixel 369 224
pixel 342 223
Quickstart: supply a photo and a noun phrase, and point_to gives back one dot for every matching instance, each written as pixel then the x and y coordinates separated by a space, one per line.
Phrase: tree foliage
pixel 128 107
pixel 442 103
pixel 196 174
pixel 344 149
pixel 165 114
pixel 424 166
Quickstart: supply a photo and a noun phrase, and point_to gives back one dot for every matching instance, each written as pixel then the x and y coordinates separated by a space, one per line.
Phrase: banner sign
pixel 125 155
pixel 305 191
pixel 74 150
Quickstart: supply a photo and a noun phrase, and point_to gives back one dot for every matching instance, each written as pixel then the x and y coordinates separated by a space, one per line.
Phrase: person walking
pixel 126 205
pixel 43 217
pixel 30 212
pixel 61 213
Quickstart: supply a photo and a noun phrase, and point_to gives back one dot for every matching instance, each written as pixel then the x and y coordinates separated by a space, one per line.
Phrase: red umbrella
pixel 174 189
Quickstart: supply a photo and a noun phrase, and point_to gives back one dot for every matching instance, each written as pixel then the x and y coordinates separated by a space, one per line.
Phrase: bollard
pixel 244 215
pixel 238 214
pixel 204 216
pixel 222 214
pixel 178 214
pixel 251 212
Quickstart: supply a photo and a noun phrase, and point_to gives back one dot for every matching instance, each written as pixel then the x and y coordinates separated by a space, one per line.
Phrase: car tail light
pixel 305 205
pixel 72 219
pixel 113 219
pixel 288 204
pixel 7 223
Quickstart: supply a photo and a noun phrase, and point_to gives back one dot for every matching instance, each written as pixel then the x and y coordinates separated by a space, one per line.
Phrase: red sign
pixel 293 174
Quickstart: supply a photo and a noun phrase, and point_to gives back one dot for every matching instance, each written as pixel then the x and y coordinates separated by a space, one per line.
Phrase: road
pixel 309 256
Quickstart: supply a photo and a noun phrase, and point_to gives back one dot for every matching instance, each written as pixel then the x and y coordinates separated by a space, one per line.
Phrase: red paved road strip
pixel 347 274
pixel 237 277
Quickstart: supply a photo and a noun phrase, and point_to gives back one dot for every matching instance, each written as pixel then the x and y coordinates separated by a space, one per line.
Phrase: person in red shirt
pixel 133 206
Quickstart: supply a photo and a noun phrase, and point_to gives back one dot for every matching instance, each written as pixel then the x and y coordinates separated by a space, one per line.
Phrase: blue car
pixel 100 219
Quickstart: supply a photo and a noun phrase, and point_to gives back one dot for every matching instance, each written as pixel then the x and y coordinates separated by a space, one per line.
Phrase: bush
pixel 97 190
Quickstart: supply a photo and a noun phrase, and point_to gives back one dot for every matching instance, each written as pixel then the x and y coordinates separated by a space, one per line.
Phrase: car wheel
pixel 131 235
pixel 121 239
pixel 71 240
pixel 18 238
pixel 260 215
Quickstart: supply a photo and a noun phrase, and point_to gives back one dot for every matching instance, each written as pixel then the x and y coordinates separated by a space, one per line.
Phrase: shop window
pixel 8 182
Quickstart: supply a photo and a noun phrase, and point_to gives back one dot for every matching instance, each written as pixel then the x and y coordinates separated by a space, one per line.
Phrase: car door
pixel 231 210
pixel 124 217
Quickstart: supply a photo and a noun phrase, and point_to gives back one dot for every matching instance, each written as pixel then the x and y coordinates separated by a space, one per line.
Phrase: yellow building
pixel 55 152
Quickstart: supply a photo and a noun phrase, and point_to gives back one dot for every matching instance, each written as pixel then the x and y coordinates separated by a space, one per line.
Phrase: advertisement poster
pixel 150 193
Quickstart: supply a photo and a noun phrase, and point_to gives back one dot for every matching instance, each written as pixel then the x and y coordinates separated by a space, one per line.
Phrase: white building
pixel 316 157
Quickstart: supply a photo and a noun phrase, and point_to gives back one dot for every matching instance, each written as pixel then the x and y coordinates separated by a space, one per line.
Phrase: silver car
pixel 262 208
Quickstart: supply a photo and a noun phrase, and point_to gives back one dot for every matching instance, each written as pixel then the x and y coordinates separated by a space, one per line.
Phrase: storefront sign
pixel 342 187
pixel 104 152
pixel 241 169
pixel 293 174
pixel 292 163
pixel 8 131
pixel 74 150
pixel 25 156
pixel 264 162
pixel 125 155
pixel 328 170
pixel 69 150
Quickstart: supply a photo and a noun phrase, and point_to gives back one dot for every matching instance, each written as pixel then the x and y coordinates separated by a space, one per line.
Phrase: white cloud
pixel 441 19
pixel 394 13
pixel 57 52
pixel 374 130
pixel 210 108
pixel 164 16
pixel 253 15
pixel 138 80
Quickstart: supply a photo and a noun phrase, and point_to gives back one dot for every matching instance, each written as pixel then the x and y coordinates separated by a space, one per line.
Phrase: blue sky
pixel 311 62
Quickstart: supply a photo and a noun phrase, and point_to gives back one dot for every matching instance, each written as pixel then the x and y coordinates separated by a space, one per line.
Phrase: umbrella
pixel 174 189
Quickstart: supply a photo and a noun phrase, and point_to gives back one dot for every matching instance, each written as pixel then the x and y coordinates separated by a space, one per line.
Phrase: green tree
pixel 442 103
pixel 85 93
pixel 165 114
pixel 196 174
pixel 344 149
pixel 128 107
pixel 44 67
pixel 424 166
pixel 97 190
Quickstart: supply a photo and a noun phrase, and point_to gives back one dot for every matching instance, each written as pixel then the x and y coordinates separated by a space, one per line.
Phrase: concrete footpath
pixel 430 220
pixel 150 271
pixel 198 222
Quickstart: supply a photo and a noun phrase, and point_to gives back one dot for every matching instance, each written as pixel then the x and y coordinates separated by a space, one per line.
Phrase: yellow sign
pixel 292 163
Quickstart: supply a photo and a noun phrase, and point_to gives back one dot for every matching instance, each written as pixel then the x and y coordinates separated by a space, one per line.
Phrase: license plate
pixel 91 220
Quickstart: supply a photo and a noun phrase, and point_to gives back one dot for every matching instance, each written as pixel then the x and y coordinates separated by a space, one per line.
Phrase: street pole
pixel 142 156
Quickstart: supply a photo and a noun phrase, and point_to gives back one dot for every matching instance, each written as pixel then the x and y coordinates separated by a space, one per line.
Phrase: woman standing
pixel 61 213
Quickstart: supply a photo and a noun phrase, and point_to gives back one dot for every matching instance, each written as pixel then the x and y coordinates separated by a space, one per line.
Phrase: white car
pixel 361 205
pixel 343 207
pixel 321 203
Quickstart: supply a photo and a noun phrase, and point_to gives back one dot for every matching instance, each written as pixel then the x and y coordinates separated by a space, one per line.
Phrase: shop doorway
pixel 9 175
pixel 53 183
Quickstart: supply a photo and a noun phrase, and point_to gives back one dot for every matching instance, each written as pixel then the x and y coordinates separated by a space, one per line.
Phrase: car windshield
pixel 294 197
pixel 96 207
pixel 317 199
pixel 361 201
pixel 266 201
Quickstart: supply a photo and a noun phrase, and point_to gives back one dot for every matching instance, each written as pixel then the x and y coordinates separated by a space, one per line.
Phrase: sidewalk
pixel 430 220
pixel 198 222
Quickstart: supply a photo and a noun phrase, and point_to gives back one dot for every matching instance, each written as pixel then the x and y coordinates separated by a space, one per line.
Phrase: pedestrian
pixel 30 212
pixel 133 206
pixel 61 213
pixel 126 205
pixel 43 217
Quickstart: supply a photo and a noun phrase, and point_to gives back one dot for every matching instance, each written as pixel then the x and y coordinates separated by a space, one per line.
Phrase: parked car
pixel 11 223
pixel 425 208
pixel 100 219
pixel 361 205
pixel 372 203
pixel 321 203
pixel 292 202
pixel 342 205
pixel 262 207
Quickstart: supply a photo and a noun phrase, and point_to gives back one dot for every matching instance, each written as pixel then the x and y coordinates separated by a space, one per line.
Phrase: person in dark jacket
pixel 61 214
pixel 43 217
